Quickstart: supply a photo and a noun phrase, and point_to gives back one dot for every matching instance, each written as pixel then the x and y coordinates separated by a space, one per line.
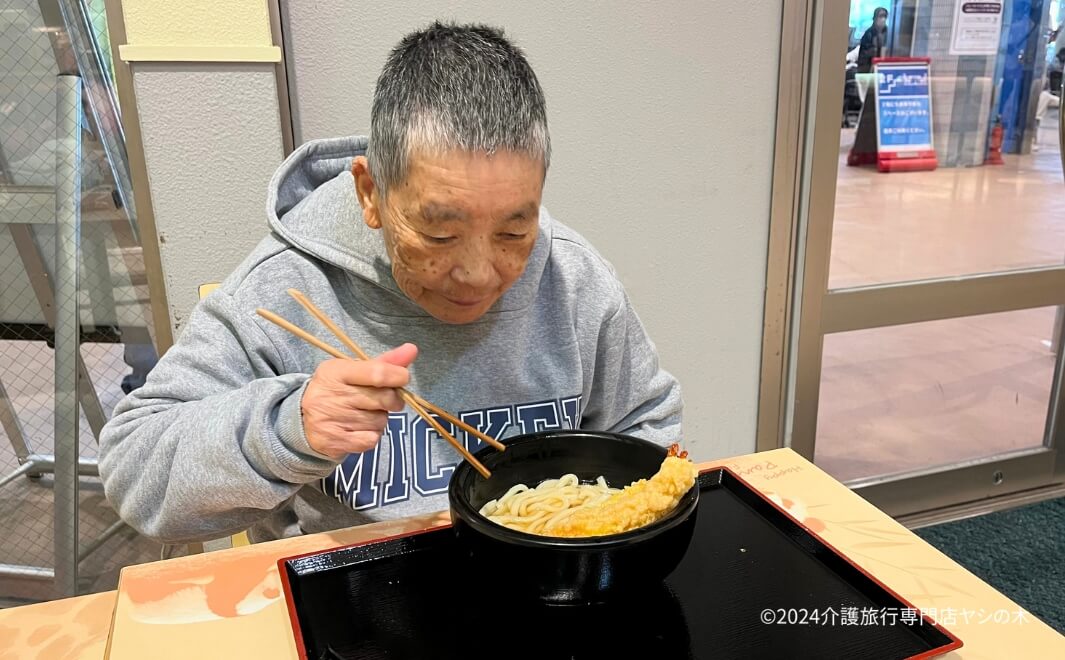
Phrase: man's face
pixel 458 229
pixel 881 22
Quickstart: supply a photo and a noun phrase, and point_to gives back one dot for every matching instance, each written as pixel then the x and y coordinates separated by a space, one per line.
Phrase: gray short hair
pixel 450 87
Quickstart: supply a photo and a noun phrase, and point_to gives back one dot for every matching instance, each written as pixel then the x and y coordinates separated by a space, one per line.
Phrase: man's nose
pixel 474 266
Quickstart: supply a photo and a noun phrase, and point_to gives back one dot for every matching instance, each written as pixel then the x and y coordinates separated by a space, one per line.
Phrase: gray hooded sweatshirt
pixel 213 443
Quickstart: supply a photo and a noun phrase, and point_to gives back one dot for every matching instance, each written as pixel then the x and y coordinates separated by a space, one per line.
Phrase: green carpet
pixel 1020 552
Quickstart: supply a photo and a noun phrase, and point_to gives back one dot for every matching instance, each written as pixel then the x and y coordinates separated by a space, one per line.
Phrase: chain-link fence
pixel 75 329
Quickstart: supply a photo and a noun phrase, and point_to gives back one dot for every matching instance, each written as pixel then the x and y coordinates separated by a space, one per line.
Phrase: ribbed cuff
pixel 294 452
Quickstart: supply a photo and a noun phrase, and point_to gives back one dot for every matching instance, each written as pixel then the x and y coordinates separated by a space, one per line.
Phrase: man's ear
pixel 367 192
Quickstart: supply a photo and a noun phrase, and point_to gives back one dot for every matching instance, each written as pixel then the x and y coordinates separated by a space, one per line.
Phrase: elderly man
pixel 429 235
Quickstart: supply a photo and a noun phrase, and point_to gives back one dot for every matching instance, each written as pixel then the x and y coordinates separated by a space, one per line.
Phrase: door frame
pixel 800 308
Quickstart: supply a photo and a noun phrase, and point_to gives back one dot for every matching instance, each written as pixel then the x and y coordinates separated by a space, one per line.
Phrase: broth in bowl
pixel 573 569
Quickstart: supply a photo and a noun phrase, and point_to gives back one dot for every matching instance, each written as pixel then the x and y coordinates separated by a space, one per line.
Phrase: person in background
pixel 874 41
pixel 1057 62
pixel 1051 96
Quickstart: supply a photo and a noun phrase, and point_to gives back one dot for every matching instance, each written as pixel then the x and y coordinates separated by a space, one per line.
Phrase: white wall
pixel 662 121
pixel 212 140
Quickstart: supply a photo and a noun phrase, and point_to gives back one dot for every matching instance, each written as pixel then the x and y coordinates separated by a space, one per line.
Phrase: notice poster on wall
pixel 977 28
pixel 903 115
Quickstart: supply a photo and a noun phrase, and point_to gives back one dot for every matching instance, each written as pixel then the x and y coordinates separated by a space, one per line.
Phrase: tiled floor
pixel 956 221
pixel 910 397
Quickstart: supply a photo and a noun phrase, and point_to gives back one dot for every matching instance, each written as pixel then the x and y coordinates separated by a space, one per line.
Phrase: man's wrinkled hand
pixel 346 404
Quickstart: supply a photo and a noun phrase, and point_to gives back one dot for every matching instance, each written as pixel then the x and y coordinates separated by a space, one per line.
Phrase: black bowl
pixel 568 570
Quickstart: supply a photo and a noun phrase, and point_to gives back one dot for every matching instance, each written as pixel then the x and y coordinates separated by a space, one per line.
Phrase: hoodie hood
pixel 312 206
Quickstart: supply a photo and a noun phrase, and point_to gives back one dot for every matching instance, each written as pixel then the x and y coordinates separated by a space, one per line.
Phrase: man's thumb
pixel 401 355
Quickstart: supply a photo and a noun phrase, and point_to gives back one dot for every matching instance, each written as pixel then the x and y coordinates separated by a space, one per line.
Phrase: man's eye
pixel 439 240
pixel 513 237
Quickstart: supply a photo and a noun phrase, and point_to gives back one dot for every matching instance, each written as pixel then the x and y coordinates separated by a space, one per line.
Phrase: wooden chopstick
pixel 407 397
pixel 301 333
pixel 354 348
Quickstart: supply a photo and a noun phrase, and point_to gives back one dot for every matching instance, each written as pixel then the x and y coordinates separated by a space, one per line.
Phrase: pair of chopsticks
pixel 417 404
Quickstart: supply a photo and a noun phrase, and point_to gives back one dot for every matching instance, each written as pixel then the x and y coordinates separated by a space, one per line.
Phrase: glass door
pixel 928 352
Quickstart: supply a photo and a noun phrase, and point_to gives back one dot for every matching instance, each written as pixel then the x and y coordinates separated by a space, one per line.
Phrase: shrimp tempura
pixel 639 504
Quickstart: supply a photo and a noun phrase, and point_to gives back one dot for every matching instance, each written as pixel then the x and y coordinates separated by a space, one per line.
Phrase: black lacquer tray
pixel 414 596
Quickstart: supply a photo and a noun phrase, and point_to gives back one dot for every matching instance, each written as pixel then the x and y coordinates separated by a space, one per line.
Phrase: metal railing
pixel 74 309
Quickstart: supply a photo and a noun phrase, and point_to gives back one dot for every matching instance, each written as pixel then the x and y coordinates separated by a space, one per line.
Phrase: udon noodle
pixel 566 507
pixel 535 509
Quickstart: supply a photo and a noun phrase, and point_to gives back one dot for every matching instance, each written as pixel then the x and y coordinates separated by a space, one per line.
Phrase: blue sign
pixel 903 108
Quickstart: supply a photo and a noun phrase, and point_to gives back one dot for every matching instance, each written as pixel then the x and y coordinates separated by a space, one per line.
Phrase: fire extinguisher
pixel 994 152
